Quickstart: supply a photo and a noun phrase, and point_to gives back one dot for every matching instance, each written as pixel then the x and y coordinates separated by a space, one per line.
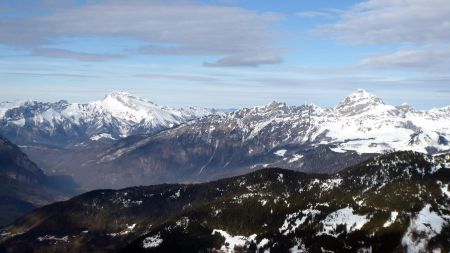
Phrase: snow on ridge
pixel 346 217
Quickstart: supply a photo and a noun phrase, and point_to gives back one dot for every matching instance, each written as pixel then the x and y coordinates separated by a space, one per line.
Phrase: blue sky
pixel 226 53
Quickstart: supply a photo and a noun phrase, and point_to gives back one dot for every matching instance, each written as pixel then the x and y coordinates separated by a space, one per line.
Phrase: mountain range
pixel 305 138
pixel 61 124
pixel 396 202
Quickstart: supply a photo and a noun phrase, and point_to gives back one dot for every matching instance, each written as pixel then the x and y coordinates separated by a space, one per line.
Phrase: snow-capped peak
pixel 118 114
pixel 126 106
pixel 123 96
pixel 358 102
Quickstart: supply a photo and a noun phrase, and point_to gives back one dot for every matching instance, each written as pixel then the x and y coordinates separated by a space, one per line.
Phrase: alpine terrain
pixel 305 138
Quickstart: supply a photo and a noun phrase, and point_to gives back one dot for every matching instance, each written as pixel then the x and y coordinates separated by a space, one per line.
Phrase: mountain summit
pixel 358 102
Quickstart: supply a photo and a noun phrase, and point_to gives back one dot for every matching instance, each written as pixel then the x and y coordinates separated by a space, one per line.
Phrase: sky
pixel 226 53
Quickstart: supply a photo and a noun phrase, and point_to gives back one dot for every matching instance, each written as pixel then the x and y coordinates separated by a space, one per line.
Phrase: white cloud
pixel 394 21
pixel 428 59
pixel 420 29
pixel 168 28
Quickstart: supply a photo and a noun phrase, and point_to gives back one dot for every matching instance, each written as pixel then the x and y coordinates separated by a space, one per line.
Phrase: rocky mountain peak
pixel 274 105
pixel 358 102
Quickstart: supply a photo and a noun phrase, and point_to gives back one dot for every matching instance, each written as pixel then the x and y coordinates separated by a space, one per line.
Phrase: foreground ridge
pixel 397 202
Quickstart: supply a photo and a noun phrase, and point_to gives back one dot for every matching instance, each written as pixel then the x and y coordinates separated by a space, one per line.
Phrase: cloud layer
pixel 167 28
pixel 394 21
pixel 430 59
pixel 419 29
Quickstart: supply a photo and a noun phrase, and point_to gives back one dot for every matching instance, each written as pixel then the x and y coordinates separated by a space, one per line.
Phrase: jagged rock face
pixel 357 103
pixel 396 202
pixel 118 115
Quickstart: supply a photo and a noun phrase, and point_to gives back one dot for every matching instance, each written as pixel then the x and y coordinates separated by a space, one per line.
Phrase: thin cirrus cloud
pixel 68 54
pixel 246 60
pixel 179 77
pixel 168 28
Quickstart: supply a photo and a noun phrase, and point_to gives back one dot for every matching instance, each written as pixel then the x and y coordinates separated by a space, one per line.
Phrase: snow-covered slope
pixel 118 115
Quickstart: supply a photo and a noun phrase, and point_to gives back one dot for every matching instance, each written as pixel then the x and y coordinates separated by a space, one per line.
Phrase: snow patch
pixel 295 158
pixel 53 238
pixel 426 225
pixel 126 231
pixel 299 247
pixel 280 178
pixel 391 219
pixel 176 195
pixel 444 189
pixel 295 220
pixel 152 241
pixel 233 241
pixel 338 150
pixel 280 152
pixel 346 217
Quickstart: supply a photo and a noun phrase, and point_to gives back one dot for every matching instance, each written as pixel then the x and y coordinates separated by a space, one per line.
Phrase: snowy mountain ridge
pixel 305 138
pixel 117 115
pixel 361 122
